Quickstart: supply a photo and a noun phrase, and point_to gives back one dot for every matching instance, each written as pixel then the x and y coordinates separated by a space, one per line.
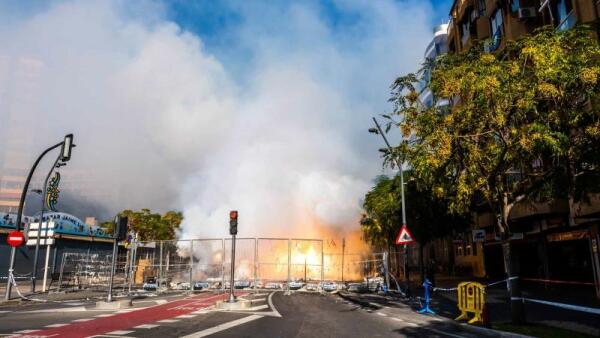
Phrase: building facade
pixel 549 246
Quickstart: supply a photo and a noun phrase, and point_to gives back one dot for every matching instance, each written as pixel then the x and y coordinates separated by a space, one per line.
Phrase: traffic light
pixel 121 223
pixel 233 219
pixel 67 147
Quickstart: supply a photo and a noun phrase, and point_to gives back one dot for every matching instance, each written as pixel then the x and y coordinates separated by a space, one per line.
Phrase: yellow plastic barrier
pixel 471 298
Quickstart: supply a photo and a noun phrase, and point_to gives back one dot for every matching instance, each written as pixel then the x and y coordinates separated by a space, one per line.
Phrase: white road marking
pixel 5 311
pixel 146 326
pixel 200 312
pixel 168 321
pixel 105 315
pixel 56 325
pixel 82 320
pixel 64 309
pixel 382 314
pixel 412 324
pixel 259 300
pixel 397 319
pixel 273 309
pixel 119 332
pixel 186 316
pixel 223 327
pixel 25 331
pixel 258 308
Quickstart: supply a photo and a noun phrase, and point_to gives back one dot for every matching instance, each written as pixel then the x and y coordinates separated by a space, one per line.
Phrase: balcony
pixel 567 22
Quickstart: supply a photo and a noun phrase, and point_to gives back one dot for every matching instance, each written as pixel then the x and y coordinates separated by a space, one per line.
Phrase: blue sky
pixel 288 87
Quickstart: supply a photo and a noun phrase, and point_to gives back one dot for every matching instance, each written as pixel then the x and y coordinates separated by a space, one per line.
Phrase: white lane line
pixel 223 327
pixel 64 309
pixel 56 325
pixel 258 308
pixel 25 331
pixel 259 300
pixel 443 333
pixel 5 311
pixel 105 315
pixel 82 320
pixel 200 312
pixel 412 324
pixel 397 319
pixel 273 309
pixel 146 326
pixel 186 316
pixel 119 332
pixel 168 321
pixel 382 314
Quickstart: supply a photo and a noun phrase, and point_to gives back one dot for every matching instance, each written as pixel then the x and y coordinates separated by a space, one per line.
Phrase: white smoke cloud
pixel 277 132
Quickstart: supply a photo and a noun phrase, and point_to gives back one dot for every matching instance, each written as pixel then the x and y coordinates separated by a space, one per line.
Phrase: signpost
pixel 404 236
pixel 15 239
pixel 42 235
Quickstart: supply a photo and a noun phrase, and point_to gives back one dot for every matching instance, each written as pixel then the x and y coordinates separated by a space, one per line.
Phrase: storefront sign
pixel 568 236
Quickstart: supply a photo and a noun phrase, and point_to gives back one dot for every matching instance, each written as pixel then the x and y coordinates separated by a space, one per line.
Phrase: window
pixel 496 23
pixel 515 5
pixel 481 7
pixel 564 14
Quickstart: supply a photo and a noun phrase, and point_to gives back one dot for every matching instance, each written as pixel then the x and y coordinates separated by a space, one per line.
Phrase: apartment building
pixel 551 247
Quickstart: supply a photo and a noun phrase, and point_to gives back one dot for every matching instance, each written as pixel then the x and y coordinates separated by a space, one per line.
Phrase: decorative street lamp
pixel 67 145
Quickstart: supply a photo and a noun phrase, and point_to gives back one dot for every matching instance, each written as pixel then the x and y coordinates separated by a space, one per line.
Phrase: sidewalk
pixel 498 305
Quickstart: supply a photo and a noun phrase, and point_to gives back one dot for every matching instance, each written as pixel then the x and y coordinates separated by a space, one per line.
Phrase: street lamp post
pixel 66 145
pixel 41 222
pixel 379 131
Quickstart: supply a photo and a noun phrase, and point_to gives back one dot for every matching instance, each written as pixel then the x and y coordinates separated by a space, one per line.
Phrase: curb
pixel 481 331
pixel 360 302
pixel 9 302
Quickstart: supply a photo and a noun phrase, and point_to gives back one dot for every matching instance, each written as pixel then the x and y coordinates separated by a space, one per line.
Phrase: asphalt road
pixel 272 315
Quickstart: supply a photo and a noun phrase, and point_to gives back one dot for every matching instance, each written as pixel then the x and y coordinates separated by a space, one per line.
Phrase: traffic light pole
pixel 112 266
pixel 13 252
pixel 232 283
pixel 40 223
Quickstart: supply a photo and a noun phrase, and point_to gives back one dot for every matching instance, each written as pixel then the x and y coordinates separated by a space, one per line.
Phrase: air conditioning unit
pixel 527 12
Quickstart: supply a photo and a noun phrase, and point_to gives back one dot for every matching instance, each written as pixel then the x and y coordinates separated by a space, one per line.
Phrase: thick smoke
pixel 271 122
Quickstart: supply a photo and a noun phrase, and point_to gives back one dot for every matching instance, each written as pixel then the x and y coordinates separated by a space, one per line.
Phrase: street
pixel 272 315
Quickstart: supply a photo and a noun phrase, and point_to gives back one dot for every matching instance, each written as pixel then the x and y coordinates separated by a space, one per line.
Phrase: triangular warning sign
pixel 404 236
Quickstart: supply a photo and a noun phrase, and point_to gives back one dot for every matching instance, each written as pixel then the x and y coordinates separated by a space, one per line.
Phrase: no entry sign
pixel 15 238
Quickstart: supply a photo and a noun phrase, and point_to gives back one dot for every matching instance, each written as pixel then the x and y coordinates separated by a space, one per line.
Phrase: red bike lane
pixel 127 320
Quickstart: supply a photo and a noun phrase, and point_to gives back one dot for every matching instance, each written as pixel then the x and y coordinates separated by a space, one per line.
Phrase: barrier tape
pixel 551 281
pixel 487 286
pixel 560 305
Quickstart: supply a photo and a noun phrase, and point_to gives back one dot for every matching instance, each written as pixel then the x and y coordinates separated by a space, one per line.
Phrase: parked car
pixel 273 285
pixel 200 285
pixel 329 286
pixel 296 285
pixel 312 287
pixel 358 287
pixel 241 284
pixel 181 286
pixel 150 284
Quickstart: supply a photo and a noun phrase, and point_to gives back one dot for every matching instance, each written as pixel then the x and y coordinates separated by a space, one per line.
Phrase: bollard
pixel 427 286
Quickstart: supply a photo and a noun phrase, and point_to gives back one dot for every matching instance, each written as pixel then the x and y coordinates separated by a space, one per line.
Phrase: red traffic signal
pixel 233 215
pixel 15 239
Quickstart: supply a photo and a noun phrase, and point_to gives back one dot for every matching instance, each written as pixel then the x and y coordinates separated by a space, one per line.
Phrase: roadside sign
pixel 43 241
pixel 404 236
pixel 15 238
pixel 479 236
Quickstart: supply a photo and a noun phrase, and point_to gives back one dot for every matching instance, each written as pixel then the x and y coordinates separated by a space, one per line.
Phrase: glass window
pixel 496 22
pixel 564 14
pixel 481 7
pixel 515 5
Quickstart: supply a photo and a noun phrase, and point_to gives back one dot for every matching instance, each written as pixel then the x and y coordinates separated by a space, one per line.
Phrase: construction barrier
pixel 471 299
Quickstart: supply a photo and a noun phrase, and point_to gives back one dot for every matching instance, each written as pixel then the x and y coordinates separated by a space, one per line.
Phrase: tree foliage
pixel 514 124
pixel 428 217
pixel 150 226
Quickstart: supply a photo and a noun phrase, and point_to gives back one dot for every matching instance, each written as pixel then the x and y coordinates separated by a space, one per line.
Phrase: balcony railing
pixel 568 22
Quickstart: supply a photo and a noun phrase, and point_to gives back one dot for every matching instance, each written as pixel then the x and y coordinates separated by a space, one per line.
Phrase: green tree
pixel 148 225
pixel 428 216
pixel 502 134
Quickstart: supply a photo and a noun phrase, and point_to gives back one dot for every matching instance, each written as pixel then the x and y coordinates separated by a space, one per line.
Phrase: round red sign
pixel 15 238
